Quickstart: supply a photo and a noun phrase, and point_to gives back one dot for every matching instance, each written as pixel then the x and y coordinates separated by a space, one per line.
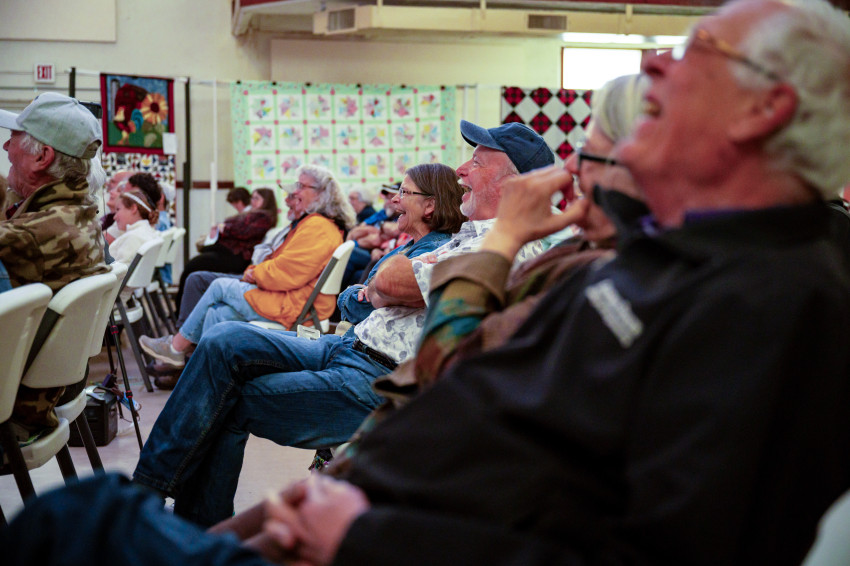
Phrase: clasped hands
pixel 308 520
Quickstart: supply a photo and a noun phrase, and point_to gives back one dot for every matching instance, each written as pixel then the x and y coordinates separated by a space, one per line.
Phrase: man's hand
pixel 311 518
pixel 248 275
pixel 525 211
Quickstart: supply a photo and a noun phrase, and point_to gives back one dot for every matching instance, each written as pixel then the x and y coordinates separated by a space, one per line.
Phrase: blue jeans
pixel 224 300
pixel 245 380
pixel 196 285
pixel 5 284
pixel 106 521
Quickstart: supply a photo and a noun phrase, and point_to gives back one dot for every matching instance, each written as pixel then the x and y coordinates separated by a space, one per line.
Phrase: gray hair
pixel 364 194
pixel 97 176
pixel 809 47
pixel 616 105
pixel 331 201
pixel 64 167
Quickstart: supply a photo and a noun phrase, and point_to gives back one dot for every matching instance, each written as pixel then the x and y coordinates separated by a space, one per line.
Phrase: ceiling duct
pixel 376 19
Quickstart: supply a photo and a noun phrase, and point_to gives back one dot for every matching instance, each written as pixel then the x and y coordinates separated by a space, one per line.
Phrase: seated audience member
pixel 637 420
pixel 135 217
pixel 474 305
pixel 371 234
pixel 146 183
pixel 239 198
pixel 276 289
pixel 361 201
pixel 429 222
pixel 114 186
pixel 235 239
pixel 51 235
pixel 314 393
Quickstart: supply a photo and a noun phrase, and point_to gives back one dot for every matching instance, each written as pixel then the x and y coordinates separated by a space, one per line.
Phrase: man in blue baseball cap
pixel 500 153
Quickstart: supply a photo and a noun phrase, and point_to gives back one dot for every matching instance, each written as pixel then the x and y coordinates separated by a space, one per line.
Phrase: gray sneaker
pixel 160 348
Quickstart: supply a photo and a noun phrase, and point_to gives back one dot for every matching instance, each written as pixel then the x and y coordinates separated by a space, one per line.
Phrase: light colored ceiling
pixel 437 20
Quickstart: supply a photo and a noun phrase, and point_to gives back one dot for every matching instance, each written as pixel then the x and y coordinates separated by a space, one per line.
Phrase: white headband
pixel 138 200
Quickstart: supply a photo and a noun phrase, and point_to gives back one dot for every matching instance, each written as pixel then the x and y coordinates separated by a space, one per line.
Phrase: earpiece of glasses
pixel 583 155
pixel 402 192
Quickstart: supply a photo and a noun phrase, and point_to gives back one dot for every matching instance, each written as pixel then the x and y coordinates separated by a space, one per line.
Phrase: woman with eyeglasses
pixel 429 205
pixel 276 289
pixel 235 239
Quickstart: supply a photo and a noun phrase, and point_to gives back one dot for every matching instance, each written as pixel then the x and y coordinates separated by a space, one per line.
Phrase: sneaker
pixel 160 348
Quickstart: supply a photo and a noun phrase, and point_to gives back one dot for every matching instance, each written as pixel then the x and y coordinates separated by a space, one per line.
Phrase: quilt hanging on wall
pixel 559 115
pixel 365 134
pixel 136 112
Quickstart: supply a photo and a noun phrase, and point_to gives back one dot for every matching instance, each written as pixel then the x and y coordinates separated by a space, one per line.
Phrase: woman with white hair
pixel 276 289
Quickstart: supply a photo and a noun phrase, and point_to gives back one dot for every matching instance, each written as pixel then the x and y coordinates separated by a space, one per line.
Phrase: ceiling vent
pixel 547 22
pixel 341 21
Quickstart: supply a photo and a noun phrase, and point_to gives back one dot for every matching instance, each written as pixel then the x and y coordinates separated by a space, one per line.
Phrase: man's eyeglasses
pixel 583 155
pixel 299 186
pixel 402 192
pixel 722 47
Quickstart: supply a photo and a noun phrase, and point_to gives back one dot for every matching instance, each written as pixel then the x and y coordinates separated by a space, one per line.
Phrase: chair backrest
pixel 167 237
pixel 21 311
pixel 335 269
pixel 175 245
pixel 63 341
pixel 118 271
pixel 142 274
pixel 329 283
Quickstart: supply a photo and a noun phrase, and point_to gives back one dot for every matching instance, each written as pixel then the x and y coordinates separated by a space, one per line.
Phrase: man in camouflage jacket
pixel 51 234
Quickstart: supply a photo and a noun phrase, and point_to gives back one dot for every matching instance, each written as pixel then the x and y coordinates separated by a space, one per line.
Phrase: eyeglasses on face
pixel 402 192
pixel 724 48
pixel 300 186
pixel 583 155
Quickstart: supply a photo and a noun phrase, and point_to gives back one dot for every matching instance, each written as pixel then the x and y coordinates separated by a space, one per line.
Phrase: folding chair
pixel 329 283
pixel 155 291
pixel 58 358
pixel 139 275
pixel 21 311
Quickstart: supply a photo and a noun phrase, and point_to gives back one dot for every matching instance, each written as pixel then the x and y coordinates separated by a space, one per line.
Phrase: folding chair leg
pixel 152 314
pixel 128 393
pixel 84 431
pixel 172 316
pixel 66 465
pixel 134 344
pixel 16 461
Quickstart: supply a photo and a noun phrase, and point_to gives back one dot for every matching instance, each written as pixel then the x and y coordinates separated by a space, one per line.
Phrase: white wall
pixel 192 38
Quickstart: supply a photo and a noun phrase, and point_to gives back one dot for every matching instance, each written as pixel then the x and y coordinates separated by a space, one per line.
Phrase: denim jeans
pixel 196 285
pixel 5 284
pixel 224 300
pixel 245 380
pixel 106 521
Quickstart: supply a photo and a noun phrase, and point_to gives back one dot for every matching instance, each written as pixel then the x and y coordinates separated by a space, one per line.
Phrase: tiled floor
pixel 267 465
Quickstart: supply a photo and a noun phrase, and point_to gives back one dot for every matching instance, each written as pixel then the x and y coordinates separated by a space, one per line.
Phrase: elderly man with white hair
pixel 50 234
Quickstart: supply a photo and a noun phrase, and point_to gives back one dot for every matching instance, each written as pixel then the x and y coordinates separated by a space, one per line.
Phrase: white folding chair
pixel 21 311
pixel 329 283
pixel 73 411
pixel 58 358
pixel 139 275
pixel 155 292
pixel 174 247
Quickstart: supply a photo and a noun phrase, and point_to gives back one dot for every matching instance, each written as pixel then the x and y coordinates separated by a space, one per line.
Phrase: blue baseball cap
pixel 526 149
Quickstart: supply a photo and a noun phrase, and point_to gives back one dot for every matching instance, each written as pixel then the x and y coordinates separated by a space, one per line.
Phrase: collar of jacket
pixel 57 191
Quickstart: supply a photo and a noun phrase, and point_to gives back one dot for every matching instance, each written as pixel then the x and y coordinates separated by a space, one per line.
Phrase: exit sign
pixel 44 73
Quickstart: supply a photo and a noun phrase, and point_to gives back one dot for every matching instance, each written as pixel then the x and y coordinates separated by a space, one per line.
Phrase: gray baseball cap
pixel 58 121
